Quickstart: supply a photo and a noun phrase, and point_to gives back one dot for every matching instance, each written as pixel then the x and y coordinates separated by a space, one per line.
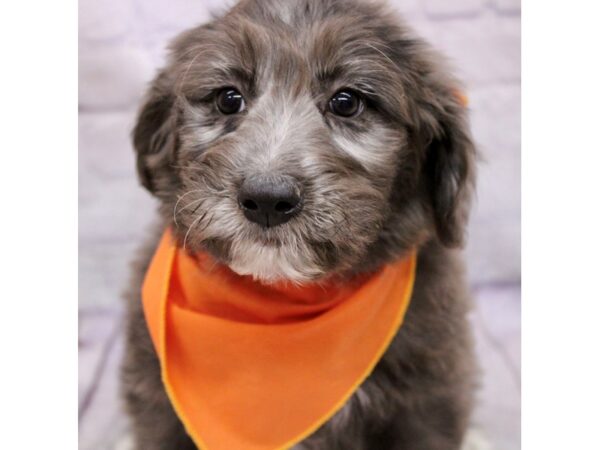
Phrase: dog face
pixel 300 139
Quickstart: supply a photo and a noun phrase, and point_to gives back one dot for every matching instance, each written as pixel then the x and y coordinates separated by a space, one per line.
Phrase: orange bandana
pixel 255 367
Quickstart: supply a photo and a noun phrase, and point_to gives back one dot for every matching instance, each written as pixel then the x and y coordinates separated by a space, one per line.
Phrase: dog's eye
pixel 230 101
pixel 345 103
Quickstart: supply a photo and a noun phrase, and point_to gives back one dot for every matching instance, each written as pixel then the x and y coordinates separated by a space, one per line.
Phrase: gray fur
pixel 396 176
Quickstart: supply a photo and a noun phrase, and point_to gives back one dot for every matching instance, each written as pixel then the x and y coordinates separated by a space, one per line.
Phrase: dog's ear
pixel 154 137
pixel 443 133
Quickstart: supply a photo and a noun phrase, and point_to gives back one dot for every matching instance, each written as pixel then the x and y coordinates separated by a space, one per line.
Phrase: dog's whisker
pixel 187 167
pixel 193 202
pixel 193 224
pixel 182 79
pixel 207 224
pixel 212 267
pixel 177 203
pixel 196 208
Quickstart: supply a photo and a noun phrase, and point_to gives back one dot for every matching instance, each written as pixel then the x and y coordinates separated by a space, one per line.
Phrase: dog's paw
pixel 476 440
pixel 125 443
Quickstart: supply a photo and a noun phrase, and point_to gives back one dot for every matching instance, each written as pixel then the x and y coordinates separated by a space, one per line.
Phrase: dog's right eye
pixel 345 103
pixel 230 101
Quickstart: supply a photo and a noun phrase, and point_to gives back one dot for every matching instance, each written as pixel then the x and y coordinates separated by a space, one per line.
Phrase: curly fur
pixel 396 176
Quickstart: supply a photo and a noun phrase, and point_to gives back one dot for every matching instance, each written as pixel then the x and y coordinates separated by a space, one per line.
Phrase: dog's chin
pixel 273 264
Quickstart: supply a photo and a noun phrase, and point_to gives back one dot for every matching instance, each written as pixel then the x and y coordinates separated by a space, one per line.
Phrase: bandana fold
pixel 249 366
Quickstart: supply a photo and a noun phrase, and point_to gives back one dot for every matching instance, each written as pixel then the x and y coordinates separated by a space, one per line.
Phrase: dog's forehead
pixel 285 44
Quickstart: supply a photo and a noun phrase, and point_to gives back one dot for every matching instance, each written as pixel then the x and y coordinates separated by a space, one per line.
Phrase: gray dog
pixel 300 139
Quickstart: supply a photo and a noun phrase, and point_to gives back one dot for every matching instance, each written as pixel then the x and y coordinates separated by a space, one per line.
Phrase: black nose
pixel 270 200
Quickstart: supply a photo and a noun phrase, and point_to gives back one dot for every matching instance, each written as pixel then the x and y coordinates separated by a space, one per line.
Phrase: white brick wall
pixel 122 43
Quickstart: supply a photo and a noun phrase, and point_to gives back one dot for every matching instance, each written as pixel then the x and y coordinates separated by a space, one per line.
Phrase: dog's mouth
pixel 265 257
pixel 274 264
pixel 271 255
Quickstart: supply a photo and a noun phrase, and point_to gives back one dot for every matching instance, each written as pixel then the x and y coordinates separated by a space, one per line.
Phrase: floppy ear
pixel 449 154
pixel 154 137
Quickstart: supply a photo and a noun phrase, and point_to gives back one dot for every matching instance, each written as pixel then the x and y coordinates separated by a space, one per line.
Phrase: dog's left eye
pixel 345 103
pixel 230 101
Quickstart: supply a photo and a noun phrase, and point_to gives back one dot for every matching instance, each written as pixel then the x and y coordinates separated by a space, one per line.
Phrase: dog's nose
pixel 270 200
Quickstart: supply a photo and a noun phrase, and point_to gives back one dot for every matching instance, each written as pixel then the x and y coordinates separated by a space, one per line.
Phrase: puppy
pixel 336 110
